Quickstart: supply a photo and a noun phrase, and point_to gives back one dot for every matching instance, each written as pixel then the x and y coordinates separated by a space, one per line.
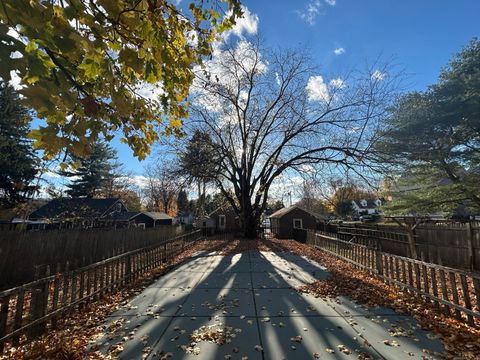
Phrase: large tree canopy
pixel 18 166
pixel 269 112
pixel 92 68
pixel 431 141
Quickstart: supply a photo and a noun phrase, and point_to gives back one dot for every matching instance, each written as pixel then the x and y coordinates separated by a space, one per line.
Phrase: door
pixel 221 222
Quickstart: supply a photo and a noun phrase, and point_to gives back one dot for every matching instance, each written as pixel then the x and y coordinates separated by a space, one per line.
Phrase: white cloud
pixel 311 12
pixel 339 51
pixel 16 55
pixel 149 91
pixel 245 53
pixel 317 89
pixel 331 2
pixel 277 79
pixel 378 75
pixel 16 81
pixel 247 24
pixel 337 83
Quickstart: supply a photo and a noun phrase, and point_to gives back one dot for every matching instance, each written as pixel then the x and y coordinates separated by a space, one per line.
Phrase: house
pixel 223 219
pixel 366 207
pixel 150 219
pixel 92 213
pixel 79 212
pixel 146 219
pixel 283 221
pixel 183 218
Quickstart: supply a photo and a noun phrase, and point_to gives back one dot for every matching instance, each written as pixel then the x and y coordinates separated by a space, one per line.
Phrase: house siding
pixel 231 222
pixel 282 226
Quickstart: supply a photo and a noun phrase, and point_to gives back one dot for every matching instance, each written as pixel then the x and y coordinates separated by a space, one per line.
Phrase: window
pixel 364 203
pixel 221 221
pixel 297 224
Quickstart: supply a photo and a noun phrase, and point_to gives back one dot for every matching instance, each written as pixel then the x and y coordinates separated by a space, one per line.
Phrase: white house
pixel 184 218
pixel 366 206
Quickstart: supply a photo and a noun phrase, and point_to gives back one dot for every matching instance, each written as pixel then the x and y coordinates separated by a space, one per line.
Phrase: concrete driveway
pixel 245 306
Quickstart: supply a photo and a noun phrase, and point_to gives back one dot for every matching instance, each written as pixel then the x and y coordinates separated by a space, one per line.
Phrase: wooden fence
pixel 20 252
pixel 455 292
pixel 27 311
pixel 453 244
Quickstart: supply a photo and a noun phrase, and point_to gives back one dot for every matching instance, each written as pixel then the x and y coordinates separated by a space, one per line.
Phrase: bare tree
pixel 269 113
pixel 162 186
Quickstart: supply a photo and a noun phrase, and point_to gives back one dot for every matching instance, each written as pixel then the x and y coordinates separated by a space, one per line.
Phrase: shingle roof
pixel 76 207
pixel 284 211
pixel 157 215
pixel 281 212
pixel 125 216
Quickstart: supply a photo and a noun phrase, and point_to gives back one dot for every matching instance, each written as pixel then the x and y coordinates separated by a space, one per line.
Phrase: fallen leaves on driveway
pixel 77 331
pixel 459 339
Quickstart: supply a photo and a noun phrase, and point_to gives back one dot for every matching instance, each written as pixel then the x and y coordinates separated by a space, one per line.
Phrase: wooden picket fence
pixel 28 310
pixel 450 243
pixel 453 291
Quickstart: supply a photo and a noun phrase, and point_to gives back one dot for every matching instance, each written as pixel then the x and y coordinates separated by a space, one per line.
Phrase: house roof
pixel 224 207
pixel 184 214
pixel 75 207
pixel 369 204
pixel 157 215
pixel 124 216
pixel 280 213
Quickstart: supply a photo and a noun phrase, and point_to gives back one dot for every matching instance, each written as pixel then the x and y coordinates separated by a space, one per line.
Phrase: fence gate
pixel 266 231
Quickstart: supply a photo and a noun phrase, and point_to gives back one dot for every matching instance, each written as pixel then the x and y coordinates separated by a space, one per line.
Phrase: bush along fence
pixel 27 311
pixel 453 291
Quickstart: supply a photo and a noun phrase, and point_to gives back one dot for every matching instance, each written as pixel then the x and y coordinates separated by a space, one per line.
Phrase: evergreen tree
pixel 95 173
pixel 182 201
pixel 17 159
pixel 199 163
pixel 431 140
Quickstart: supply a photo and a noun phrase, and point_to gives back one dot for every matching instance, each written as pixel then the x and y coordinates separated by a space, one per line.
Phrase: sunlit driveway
pixel 245 305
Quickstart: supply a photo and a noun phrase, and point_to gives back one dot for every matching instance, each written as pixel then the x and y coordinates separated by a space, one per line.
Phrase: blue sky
pixel 421 36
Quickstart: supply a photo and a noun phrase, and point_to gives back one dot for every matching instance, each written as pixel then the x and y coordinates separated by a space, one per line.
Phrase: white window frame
pixel 222 220
pixel 301 224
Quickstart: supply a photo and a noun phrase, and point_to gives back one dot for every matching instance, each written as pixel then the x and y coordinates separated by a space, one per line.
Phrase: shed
pixel 221 220
pixel 283 221
pixel 152 219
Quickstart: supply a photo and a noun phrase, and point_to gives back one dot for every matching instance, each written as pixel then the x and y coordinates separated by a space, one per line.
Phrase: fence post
pixel 378 262
pixel 128 269
pixel 411 242
pixel 471 254
pixel 39 302
pixel 4 302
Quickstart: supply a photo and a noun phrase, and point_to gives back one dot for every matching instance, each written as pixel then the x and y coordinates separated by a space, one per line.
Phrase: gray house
pixel 283 221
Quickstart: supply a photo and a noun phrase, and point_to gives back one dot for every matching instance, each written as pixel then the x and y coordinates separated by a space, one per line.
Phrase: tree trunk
pixel 250 225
